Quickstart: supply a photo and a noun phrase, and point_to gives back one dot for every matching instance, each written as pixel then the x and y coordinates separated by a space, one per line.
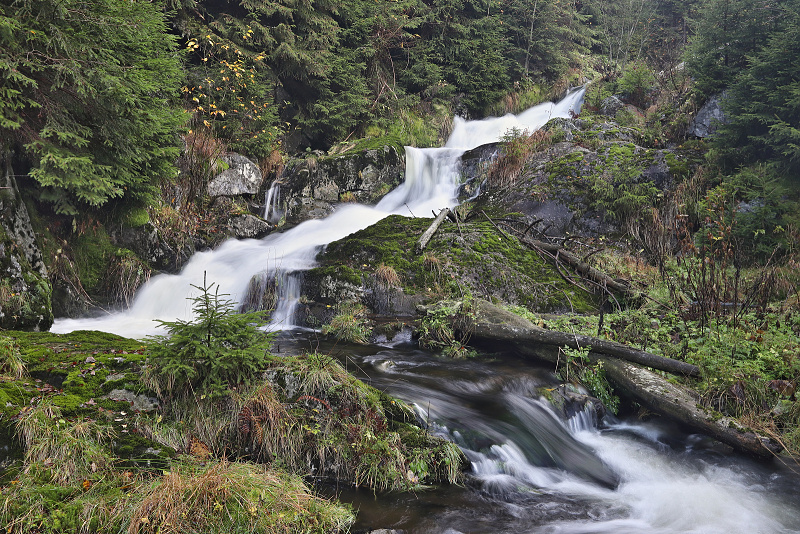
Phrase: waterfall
pixel 431 183
pixel 272 203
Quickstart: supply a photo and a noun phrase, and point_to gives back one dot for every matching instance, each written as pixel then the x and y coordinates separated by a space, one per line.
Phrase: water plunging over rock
pixel 431 183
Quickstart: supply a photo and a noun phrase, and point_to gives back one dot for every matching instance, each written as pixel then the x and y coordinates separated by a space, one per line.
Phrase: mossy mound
pixel 595 178
pixel 83 461
pixel 474 257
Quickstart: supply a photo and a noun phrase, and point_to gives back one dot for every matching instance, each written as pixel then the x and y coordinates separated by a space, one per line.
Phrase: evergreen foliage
pixel 85 92
pixel 725 34
pixel 218 350
pixel 763 103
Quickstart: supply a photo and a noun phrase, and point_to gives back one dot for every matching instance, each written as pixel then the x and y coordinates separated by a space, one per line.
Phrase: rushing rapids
pixel 534 472
pixel 531 471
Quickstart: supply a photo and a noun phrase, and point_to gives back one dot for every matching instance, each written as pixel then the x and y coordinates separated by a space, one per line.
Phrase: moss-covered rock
pixel 474 258
pixel 593 179
pixel 25 290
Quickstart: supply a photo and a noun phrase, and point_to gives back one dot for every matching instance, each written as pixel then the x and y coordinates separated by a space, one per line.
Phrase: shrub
pixel 636 82
pixel 349 324
pixel 219 349
pixel 518 145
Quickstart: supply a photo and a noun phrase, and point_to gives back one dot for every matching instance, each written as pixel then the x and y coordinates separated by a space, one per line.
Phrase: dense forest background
pixel 99 99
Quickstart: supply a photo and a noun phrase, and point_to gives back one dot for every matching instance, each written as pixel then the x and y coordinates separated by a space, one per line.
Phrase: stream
pixel 531 471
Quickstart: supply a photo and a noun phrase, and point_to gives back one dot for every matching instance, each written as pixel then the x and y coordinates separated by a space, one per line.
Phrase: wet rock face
pixel 159 253
pixel 312 187
pixel 25 290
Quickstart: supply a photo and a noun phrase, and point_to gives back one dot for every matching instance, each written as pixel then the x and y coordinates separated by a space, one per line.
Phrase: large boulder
pixel 310 188
pixel 611 105
pixel 242 177
pixel 709 118
pixel 592 179
pixel 25 289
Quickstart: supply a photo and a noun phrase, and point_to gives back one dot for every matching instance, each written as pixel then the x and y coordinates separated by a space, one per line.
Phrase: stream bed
pixel 532 471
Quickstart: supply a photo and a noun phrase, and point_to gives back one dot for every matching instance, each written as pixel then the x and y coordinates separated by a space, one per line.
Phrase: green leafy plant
pixel 577 366
pixel 210 354
pixel 446 328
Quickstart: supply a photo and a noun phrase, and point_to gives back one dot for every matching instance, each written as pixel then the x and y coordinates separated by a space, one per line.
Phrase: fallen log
pixel 493 323
pixel 681 404
pixel 428 234
pixel 580 266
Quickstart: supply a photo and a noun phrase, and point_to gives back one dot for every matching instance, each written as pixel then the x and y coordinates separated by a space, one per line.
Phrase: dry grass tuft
pixel 125 275
pixel 67 451
pixel 265 426
pixel 504 171
pixel 228 497
pixel 387 276
pixel 11 363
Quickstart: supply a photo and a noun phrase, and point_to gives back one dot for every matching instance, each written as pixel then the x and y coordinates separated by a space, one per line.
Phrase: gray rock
pixel 248 226
pixel 25 290
pixel 310 188
pixel 149 245
pixel 242 177
pixel 709 118
pixel 566 127
pixel 611 105
pixel 142 403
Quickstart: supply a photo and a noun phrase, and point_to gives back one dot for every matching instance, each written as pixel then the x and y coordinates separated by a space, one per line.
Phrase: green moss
pixel 338 272
pixel 376 143
pixel 476 257
pixel 92 253
pixel 136 217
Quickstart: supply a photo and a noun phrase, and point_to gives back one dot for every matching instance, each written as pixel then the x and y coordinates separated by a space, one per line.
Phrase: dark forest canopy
pixel 96 96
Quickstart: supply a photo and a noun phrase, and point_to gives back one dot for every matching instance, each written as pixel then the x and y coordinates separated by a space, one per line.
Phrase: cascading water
pixel 533 472
pixel 432 179
pixel 272 203
pixel 530 471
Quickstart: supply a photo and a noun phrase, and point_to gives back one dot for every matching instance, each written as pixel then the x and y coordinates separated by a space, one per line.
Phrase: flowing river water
pixel 531 471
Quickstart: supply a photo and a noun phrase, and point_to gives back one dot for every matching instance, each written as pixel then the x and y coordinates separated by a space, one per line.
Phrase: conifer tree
pixel 86 92
pixel 763 104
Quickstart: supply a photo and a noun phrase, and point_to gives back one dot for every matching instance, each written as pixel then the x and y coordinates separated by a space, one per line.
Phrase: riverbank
pixel 90 446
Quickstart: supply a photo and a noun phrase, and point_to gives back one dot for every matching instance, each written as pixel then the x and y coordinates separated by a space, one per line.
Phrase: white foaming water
pixel 670 494
pixel 471 134
pixel 431 183
pixel 659 492
pixel 272 202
